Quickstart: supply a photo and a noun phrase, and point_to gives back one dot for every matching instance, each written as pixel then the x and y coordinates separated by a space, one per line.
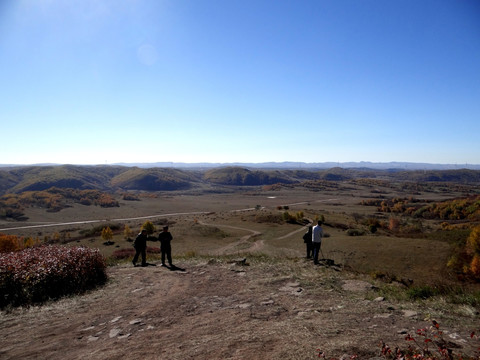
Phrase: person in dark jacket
pixel 140 245
pixel 165 237
pixel 307 239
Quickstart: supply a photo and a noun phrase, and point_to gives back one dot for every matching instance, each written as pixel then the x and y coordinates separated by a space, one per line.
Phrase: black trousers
pixel 309 249
pixel 166 251
pixel 140 251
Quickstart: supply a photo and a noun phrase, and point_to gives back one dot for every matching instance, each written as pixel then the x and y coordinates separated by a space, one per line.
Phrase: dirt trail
pixel 214 310
pixel 302 229
pixel 244 242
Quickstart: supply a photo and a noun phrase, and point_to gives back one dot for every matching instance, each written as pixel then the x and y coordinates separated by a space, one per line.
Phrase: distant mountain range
pixel 291 165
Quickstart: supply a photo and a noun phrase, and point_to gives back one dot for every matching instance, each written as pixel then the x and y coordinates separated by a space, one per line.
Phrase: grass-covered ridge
pixel 155 179
pixel 37 178
pixel 244 177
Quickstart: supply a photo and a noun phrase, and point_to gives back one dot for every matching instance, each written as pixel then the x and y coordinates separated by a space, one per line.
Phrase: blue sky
pixel 95 82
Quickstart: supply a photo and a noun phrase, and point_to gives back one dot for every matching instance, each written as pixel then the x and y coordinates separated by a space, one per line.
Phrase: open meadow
pixel 235 221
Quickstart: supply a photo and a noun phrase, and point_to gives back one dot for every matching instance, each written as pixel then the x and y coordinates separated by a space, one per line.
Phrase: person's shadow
pixel 174 268
pixel 146 264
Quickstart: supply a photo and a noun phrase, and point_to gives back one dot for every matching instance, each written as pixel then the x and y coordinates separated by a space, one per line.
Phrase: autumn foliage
pixel 427 344
pixel 15 243
pixel 473 250
pixel 53 199
pixel 466 259
pixel 424 344
pixel 48 272
pixel 467 208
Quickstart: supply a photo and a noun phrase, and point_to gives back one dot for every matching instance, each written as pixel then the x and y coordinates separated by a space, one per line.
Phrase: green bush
pixel 421 292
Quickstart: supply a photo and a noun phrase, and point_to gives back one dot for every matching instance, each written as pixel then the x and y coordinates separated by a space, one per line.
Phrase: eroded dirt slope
pixel 213 310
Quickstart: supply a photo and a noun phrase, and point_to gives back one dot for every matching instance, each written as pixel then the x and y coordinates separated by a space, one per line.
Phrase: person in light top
pixel 317 234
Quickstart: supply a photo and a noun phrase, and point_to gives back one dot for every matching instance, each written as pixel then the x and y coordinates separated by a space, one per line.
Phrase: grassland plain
pixel 280 306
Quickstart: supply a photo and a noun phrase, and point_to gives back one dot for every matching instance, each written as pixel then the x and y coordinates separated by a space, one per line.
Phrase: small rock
pixel 88 328
pixel 268 302
pixel 469 310
pixel 135 322
pixel 454 336
pixel 114 332
pixel 409 313
pixel 383 316
pixel 92 338
pixel 379 299
pixel 116 319
pixel 240 262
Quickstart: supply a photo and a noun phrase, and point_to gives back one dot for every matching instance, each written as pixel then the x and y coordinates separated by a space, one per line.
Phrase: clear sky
pixel 105 81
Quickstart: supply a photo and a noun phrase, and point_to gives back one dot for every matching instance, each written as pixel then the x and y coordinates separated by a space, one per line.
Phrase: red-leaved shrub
pixel 49 272
pixel 130 252
pixel 123 253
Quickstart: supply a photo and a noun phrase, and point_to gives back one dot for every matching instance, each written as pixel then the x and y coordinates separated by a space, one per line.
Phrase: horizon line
pixel 134 163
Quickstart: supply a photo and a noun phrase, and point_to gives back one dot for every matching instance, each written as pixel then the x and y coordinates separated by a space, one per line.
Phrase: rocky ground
pixel 212 309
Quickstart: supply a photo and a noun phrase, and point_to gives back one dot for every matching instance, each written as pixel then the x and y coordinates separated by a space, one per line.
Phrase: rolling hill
pixel 244 177
pixel 154 179
pixel 112 178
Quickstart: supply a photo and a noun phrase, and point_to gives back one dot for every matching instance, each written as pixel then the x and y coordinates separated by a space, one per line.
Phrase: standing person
pixel 140 245
pixel 307 239
pixel 165 237
pixel 317 234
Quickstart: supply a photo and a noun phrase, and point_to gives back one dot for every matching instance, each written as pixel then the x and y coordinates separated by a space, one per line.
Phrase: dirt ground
pixel 208 309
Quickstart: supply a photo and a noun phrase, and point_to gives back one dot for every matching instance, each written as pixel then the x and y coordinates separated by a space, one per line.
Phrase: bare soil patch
pixel 207 309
